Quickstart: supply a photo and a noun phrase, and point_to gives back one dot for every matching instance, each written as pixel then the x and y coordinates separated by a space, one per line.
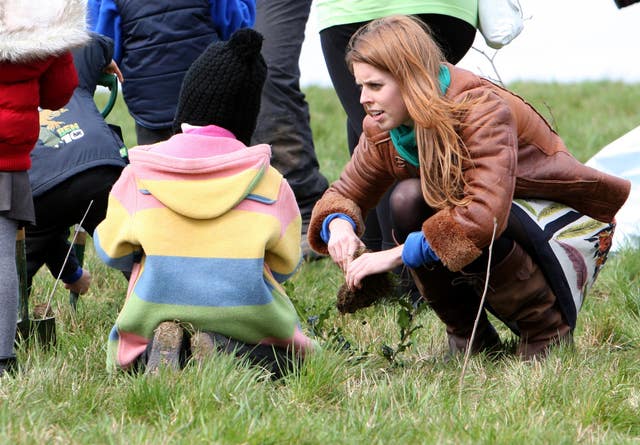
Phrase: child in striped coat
pixel 208 229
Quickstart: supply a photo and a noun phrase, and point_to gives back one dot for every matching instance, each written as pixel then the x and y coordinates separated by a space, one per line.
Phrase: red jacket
pixel 48 83
pixel 36 69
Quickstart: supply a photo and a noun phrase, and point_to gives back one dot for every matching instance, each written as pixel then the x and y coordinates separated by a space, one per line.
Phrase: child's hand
pixel 81 285
pixel 112 68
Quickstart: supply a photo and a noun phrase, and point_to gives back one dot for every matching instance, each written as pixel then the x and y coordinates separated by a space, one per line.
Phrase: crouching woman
pixel 467 156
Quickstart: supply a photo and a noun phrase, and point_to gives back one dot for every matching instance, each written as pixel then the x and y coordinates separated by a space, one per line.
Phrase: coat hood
pixel 201 187
pixel 37 29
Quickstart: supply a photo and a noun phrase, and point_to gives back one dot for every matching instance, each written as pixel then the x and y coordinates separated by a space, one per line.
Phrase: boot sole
pixel 165 349
pixel 202 346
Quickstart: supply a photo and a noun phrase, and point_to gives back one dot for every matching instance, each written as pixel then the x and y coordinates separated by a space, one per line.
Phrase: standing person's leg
pixel 453 35
pixel 334 41
pixel 147 136
pixel 8 291
pixel 284 118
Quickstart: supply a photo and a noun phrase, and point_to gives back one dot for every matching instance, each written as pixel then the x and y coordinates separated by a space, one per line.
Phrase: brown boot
pixel 519 293
pixel 486 340
pixel 456 303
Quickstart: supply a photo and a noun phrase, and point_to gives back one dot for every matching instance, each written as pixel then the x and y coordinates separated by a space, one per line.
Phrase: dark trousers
pixel 47 242
pixel 147 136
pixel 283 121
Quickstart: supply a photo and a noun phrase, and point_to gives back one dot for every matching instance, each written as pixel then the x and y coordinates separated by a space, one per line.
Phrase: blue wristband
pixel 417 251
pixel 325 233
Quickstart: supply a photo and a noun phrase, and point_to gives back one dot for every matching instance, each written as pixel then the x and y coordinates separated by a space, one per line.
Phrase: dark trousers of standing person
pixel 284 120
pixel 148 136
pixel 58 209
pixel 455 37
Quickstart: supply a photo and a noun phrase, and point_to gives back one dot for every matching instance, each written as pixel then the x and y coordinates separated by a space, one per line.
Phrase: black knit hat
pixel 223 86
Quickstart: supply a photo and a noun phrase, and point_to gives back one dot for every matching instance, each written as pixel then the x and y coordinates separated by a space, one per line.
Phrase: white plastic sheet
pixel 622 158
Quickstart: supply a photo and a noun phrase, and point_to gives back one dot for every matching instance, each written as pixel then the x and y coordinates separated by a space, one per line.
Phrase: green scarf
pixel 404 137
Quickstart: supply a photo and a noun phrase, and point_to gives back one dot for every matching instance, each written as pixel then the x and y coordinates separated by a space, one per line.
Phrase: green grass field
pixel 349 393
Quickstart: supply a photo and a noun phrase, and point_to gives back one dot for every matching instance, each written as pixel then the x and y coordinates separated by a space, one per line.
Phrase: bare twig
pixel 467 353
pixel 498 79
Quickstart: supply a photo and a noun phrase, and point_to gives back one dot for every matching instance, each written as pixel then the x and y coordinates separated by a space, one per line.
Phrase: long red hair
pixel 403 47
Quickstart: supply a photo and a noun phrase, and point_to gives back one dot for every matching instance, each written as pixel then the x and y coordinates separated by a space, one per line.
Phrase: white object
pixel 622 158
pixel 499 21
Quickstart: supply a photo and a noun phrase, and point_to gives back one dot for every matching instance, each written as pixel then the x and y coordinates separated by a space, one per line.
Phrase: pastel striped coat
pixel 209 231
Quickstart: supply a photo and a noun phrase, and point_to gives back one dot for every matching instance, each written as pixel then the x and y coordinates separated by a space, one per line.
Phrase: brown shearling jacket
pixel 514 154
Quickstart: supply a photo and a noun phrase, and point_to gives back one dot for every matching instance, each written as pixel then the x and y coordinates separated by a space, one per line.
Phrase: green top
pixel 404 138
pixel 340 12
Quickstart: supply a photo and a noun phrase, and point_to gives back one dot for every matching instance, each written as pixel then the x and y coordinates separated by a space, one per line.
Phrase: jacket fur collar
pixel 37 29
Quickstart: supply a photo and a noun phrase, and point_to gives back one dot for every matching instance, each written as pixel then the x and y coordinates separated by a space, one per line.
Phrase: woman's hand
pixel 343 242
pixel 372 263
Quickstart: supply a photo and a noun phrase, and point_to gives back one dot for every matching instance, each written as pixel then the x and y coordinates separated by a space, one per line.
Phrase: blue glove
pixel 325 233
pixel 417 252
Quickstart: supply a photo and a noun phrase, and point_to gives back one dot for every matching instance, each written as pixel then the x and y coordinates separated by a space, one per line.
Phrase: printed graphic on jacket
pixel 54 131
pixel 72 139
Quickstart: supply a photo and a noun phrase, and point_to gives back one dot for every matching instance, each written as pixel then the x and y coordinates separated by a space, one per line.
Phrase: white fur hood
pixel 36 29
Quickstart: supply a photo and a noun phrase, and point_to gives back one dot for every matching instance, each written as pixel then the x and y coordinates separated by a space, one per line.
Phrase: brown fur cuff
pixel 331 202
pixel 449 241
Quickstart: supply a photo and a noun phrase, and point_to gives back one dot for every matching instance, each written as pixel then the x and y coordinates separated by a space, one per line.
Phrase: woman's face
pixel 380 96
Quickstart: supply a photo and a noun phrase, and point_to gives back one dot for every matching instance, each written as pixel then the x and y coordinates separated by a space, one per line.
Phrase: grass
pixel 349 393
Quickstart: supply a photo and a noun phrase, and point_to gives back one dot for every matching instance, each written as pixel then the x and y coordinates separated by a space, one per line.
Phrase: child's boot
pixel 202 346
pixel 166 348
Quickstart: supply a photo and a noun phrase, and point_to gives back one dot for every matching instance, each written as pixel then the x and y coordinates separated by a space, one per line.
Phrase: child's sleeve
pixel 231 15
pixel 284 255
pixel 114 239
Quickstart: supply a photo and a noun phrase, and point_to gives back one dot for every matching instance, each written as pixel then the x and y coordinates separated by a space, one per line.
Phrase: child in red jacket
pixel 36 69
